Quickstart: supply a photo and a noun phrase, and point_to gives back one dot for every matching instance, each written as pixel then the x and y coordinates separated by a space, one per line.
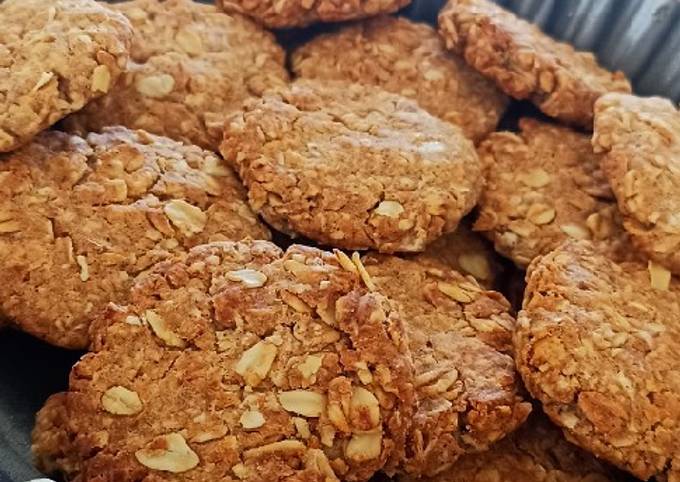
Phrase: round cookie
pixel 460 336
pixel 79 218
pixel 237 362
pixel 466 252
pixel 352 166
pixel 537 452
pixel 300 13
pixel 191 66
pixel 543 186
pixel 54 59
pixel 597 344
pixel 526 63
pixel 406 58
pixel 640 140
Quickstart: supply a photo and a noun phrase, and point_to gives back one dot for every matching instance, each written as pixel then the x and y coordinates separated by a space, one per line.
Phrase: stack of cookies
pixel 152 149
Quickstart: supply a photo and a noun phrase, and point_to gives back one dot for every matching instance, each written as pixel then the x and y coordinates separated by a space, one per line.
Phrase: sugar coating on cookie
pixel 191 65
pixel 537 452
pixel 237 361
pixel 640 140
pixel 544 185
pixel 406 58
pixel 460 336
pixel 466 252
pixel 597 344
pixel 352 166
pixel 80 217
pixel 526 63
pixel 54 59
pixel 300 13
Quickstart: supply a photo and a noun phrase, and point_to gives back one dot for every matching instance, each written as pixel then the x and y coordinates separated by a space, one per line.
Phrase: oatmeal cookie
pixel 352 166
pixel 406 58
pixel 300 13
pixel 597 344
pixel 461 337
pixel 54 58
pixel 640 140
pixel 80 217
pixel 191 66
pixel 537 452
pixel 466 252
pixel 526 63
pixel 543 186
pixel 237 362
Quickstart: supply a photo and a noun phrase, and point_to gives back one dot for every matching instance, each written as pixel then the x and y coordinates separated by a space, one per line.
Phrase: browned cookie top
pixel 640 140
pixel 192 65
pixel 466 252
pixel 526 63
pixel 543 186
pixel 352 166
pixel 537 452
pixel 460 337
pixel 237 362
pixel 54 58
pixel 597 343
pixel 80 217
pixel 300 13
pixel 406 58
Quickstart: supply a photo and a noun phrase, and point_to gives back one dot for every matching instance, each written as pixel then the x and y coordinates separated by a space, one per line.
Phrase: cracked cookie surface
pixel 597 344
pixel 53 60
pixel 543 186
pixel 537 452
pixel 526 63
pixel 237 362
pixel 191 66
pixel 460 336
pixel 80 217
pixel 406 58
pixel 300 13
pixel 640 142
pixel 352 166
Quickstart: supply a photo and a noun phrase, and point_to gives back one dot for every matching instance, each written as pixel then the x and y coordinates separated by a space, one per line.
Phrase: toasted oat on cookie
pixel 300 13
pixel 237 362
pixel 191 66
pixel 406 58
pixel 526 63
pixel 80 217
pixel 543 186
pixel 597 344
pixel 54 58
pixel 460 336
pixel 352 166
pixel 537 452
pixel 466 252
pixel 640 140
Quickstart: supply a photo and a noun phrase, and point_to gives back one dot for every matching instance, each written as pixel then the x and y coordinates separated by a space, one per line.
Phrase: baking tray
pixel 640 37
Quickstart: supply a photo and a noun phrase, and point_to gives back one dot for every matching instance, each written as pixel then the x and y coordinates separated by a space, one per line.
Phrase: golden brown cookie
pixel 526 63
pixel 537 452
pixel 352 166
pixel 300 13
pixel 461 338
pixel 191 66
pixel 597 344
pixel 543 186
pixel 640 140
pixel 406 58
pixel 237 362
pixel 466 252
pixel 54 58
pixel 80 217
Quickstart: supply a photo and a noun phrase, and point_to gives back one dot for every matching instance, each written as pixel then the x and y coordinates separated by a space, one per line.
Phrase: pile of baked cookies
pixel 150 146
